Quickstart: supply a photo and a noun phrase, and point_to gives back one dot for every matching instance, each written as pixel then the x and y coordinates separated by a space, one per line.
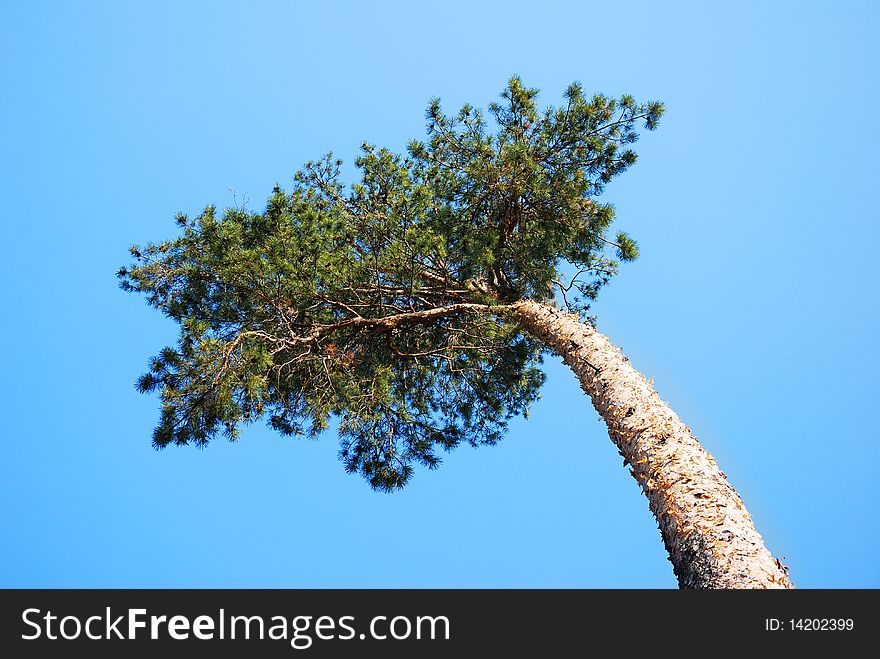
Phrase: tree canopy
pixel 384 304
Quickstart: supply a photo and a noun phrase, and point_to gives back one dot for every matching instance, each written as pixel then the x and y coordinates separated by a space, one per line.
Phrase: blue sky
pixel 754 305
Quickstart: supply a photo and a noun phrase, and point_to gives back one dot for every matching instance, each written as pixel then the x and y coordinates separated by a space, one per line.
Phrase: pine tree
pixel 414 308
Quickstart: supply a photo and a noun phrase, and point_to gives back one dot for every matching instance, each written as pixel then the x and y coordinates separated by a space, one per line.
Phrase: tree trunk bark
pixel 708 533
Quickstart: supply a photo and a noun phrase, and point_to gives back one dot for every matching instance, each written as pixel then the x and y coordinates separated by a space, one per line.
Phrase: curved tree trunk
pixel 707 531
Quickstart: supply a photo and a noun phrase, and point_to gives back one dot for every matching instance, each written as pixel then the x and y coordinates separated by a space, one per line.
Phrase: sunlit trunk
pixel 708 533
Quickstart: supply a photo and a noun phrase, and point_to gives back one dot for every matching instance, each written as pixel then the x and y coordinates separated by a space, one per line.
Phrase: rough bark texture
pixel 708 533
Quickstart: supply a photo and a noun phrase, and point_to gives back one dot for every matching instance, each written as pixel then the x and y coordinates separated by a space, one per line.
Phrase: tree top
pixel 383 305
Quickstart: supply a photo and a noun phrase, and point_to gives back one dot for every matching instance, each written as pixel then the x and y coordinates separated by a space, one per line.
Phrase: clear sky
pixel 754 305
